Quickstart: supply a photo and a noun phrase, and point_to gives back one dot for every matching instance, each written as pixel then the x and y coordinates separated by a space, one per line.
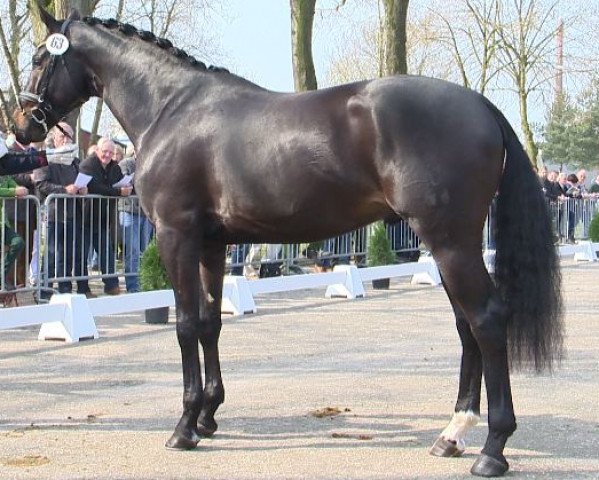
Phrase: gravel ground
pixel 386 367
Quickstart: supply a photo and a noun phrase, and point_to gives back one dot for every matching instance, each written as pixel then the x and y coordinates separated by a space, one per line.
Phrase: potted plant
pixel 153 276
pixel 594 229
pixel 379 252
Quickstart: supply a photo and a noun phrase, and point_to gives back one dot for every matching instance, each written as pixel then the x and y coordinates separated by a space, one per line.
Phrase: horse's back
pixel 267 166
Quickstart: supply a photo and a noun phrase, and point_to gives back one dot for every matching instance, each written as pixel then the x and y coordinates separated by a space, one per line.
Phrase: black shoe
pixel 113 291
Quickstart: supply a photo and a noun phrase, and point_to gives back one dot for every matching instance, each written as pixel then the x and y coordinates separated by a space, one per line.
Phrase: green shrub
pixel 379 248
pixel 152 274
pixel 594 229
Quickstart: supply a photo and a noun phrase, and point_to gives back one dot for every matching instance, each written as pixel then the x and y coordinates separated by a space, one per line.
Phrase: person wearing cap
pixel 67 238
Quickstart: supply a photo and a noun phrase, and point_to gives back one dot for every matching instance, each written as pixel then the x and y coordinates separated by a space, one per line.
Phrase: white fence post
pixel 77 322
pixel 352 288
pixel 431 276
pixel 237 296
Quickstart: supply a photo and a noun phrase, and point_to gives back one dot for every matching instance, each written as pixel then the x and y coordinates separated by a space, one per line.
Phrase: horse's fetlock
pixel 214 394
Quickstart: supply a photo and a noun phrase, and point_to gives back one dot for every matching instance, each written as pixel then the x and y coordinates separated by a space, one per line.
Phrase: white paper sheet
pixel 82 180
pixel 124 182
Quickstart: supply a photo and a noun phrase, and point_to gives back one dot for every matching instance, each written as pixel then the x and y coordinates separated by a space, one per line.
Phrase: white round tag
pixel 57 44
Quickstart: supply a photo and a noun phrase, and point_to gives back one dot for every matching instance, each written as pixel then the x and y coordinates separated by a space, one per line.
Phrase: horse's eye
pixel 36 62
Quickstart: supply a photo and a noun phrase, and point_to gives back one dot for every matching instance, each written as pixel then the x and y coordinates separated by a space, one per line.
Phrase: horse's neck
pixel 133 72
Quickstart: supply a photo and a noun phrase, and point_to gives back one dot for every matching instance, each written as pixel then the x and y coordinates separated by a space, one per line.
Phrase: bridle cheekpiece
pixel 56 44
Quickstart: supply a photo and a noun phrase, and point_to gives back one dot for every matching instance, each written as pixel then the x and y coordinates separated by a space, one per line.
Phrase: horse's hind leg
pixel 470 286
pixel 180 253
pixel 451 442
pixel 212 269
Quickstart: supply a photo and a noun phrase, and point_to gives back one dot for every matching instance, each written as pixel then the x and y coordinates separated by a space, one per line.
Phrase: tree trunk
pixel 396 12
pixel 302 20
pixel 529 142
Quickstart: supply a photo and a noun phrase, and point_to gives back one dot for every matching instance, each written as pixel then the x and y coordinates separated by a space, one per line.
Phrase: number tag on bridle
pixel 57 44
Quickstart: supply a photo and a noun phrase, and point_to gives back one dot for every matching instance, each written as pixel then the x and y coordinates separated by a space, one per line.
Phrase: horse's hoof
pixel 207 429
pixel 179 442
pixel 486 466
pixel 445 448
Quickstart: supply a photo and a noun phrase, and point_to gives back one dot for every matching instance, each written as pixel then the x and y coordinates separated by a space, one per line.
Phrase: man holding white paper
pixel 105 173
pixel 67 240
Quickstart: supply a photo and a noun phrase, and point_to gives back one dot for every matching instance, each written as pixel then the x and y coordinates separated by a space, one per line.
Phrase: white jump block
pixel 237 297
pixel 429 274
pixel 586 252
pixel 582 251
pixel 351 287
pixel 77 322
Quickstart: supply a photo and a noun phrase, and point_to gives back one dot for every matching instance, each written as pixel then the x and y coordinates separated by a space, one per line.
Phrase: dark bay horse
pixel 221 160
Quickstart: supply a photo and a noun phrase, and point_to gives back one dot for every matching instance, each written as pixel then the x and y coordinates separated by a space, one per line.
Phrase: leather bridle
pixel 43 110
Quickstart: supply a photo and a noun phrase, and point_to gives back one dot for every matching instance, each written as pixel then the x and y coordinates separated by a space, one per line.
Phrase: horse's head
pixel 58 83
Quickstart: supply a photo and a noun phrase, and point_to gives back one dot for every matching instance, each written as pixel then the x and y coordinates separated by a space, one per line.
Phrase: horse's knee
pixel 209 332
pixel 187 332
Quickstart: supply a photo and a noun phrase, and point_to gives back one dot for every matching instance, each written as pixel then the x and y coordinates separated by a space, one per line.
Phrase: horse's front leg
pixel 180 253
pixel 212 268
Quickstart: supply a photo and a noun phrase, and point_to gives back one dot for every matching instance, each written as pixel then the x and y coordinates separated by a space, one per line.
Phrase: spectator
pixel 562 184
pixel 25 222
pixel 574 189
pixel 543 174
pixel 573 193
pixel 67 238
pixel 582 177
pixel 13 162
pixel 595 186
pixel 9 189
pixel 105 173
pixel 237 255
pixel 136 228
pixel 119 153
pixel 551 188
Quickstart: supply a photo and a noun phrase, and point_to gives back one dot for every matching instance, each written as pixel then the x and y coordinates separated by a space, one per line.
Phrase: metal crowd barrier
pixel 92 237
pixel 19 218
pixel 94 247
pixel 351 247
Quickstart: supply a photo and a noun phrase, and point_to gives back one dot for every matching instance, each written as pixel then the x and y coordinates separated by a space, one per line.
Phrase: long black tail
pixel 527 264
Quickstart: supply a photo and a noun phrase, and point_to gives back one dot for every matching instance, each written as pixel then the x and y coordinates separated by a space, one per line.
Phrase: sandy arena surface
pixel 389 363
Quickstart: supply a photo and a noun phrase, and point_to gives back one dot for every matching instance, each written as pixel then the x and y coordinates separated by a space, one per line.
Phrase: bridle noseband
pixel 44 111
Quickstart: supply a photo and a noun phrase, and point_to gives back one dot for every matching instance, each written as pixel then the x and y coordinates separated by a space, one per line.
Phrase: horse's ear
pixel 48 20
pixel 74 15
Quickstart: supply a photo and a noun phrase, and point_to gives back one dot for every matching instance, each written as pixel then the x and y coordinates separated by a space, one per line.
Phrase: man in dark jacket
pixel 67 240
pixel 105 173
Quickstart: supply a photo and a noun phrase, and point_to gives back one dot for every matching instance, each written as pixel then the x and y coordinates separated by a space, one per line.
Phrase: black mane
pixel 163 43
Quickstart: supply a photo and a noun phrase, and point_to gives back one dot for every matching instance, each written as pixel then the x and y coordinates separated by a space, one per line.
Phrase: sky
pixel 255 41
pixel 252 38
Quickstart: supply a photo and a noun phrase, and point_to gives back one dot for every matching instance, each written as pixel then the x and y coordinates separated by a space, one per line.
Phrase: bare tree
pixel 13 31
pixel 396 12
pixel 361 52
pixel 527 30
pixel 302 21
pixel 471 36
pixel 177 20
